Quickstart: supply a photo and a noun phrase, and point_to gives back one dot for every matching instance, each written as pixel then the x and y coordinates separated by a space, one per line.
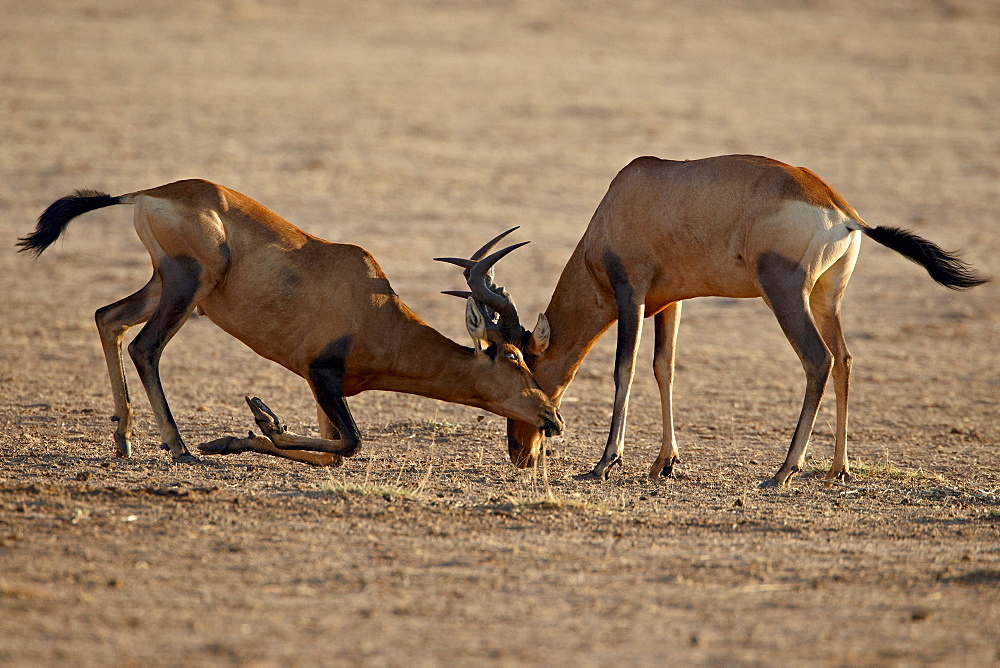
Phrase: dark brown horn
pixel 479 275
pixel 479 254
pixel 490 294
pixel 491 244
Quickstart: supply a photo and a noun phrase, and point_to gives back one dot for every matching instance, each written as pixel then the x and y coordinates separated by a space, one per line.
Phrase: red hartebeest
pixel 730 226
pixel 324 311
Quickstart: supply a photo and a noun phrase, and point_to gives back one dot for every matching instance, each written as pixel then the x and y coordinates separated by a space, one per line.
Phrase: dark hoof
pixel 667 471
pixel 123 448
pixel 843 476
pixel 780 480
pixel 599 472
pixel 265 417
pixel 186 458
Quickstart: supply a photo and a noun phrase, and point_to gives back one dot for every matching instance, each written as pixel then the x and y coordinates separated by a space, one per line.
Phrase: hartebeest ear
pixel 539 336
pixel 476 324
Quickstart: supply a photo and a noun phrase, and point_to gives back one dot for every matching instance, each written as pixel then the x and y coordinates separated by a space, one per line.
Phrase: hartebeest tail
pixel 729 226
pixel 324 311
pixel 944 267
pixel 54 219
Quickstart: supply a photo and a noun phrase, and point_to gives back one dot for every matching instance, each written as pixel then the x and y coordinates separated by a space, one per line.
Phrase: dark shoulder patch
pixel 334 356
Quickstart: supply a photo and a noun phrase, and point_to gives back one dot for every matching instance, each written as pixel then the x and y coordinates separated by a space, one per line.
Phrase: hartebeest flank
pixel 730 226
pixel 323 310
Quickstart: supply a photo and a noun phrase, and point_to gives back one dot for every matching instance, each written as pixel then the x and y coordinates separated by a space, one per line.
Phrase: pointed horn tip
pixel 490 260
pixel 461 262
pixel 505 233
pixel 489 245
pixel 463 294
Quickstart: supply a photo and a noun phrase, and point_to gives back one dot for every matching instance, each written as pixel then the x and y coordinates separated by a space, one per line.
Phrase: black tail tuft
pixel 944 267
pixel 55 218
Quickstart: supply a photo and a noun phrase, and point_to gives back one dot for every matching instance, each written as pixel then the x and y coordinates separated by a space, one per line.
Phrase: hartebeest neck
pixel 424 362
pixel 579 312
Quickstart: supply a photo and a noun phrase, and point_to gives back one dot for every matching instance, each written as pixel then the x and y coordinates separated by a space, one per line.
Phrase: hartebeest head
pixel 492 313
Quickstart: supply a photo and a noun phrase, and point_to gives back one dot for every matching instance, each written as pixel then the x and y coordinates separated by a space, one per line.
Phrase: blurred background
pixel 422 128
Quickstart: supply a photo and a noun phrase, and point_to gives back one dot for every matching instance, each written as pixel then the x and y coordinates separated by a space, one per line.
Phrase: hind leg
pixel 785 293
pixel 113 321
pixel 182 288
pixel 833 334
pixel 825 302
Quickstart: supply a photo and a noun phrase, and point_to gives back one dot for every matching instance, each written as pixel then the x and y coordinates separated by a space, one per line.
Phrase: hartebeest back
pixel 323 310
pixel 730 226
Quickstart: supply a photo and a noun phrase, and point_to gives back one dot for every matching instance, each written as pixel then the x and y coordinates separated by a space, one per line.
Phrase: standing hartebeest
pixel 322 310
pixel 729 226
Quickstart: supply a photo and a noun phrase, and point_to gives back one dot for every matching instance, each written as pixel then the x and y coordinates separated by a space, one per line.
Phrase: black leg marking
pixel 325 375
pixel 181 282
pixel 630 311
pixel 783 284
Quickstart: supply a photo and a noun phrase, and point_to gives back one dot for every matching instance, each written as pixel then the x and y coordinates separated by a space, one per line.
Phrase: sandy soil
pixel 419 129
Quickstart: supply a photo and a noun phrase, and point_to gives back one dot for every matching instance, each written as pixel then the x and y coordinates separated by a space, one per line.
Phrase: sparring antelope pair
pixel 324 311
pixel 731 226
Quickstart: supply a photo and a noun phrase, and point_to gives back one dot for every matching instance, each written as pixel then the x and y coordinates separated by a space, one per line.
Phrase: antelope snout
pixel 552 421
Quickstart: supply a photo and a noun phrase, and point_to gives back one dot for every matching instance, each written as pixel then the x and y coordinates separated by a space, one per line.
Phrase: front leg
pixel 231 445
pixel 283 439
pixel 276 441
pixel 630 315
pixel 667 323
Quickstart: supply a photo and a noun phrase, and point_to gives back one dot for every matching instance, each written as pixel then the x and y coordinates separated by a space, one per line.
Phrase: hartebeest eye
pixel 511 356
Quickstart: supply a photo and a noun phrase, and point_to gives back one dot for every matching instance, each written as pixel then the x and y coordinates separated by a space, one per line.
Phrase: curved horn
pixel 482 271
pixel 482 267
pixel 486 292
pixel 491 244
pixel 478 272
pixel 479 254
pixel 460 261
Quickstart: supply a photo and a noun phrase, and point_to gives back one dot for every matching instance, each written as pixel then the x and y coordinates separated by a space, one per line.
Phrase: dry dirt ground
pixel 419 129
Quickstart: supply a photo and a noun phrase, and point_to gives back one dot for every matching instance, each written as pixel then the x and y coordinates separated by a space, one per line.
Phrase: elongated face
pixel 506 385
pixel 523 440
pixel 523 401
